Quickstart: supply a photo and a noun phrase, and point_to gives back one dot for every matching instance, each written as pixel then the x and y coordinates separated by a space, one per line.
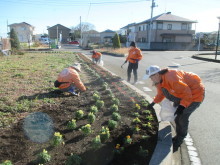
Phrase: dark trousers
pixel 134 67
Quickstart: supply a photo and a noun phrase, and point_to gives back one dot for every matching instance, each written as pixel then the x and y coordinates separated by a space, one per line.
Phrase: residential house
pixel 167 32
pixel 24 31
pixel 59 32
pixel 107 36
pixel 91 36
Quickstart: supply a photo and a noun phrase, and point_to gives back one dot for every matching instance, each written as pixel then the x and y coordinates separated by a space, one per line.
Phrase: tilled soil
pixel 17 147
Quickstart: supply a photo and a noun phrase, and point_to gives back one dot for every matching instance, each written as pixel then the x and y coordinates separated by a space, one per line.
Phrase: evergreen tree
pixel 116 41
pixel 15 44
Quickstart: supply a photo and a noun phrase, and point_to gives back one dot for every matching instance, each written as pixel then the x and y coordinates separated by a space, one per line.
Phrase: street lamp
pixel 216 51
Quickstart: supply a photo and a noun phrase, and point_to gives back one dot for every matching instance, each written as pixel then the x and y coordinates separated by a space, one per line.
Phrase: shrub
pixel 57 139
pixel 115 101
pixel 93 109
pixel 73 159
pixel 79 114
pixel 71 124
pixel 6 162
pixel 114 108
pixel 86 129
pixel 91 117
pixel 112 124
pixel 95 97
pixel 43 157
pixel 96 142
pixel 104 134
pixel 99 104
pixel 116 116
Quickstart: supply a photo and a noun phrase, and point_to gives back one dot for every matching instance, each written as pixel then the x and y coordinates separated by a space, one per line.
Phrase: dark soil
pixel 18 148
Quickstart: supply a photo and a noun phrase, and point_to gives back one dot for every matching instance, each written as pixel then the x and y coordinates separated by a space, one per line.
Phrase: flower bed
pixel 107 124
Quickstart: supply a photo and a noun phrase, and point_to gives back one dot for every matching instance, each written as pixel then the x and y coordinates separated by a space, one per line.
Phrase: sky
pixel 104 14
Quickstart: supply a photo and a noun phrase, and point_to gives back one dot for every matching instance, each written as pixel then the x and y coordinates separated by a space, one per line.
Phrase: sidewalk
pixel 207 57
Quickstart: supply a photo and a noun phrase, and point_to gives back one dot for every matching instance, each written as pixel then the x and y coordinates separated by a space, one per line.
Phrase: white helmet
pixel 153 69
pixel 77 66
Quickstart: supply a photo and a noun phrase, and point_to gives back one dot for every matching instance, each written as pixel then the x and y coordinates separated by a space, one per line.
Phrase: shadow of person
pixel 51 94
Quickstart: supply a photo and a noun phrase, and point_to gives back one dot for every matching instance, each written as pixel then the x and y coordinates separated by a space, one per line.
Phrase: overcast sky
pixel 104 14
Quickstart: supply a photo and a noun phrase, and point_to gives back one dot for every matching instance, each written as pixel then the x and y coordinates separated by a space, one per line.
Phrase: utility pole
pixel 216 51
pixel 149 35
pixel 57 34
pixel 80 32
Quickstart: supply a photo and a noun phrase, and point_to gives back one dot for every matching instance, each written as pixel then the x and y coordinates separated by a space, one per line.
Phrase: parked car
pixel 74 42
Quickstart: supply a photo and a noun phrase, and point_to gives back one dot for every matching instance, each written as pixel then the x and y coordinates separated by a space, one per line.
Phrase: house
pixel 167 32
pixel 59 32
pixel 24 31
pixel 91 36
pixel 107 36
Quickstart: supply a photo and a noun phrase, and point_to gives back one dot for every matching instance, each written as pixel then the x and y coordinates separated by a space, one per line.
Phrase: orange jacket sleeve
pixel 159 97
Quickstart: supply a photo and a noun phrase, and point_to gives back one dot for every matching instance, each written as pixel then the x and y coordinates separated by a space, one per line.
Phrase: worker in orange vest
pixel 69 80
pixel 134 56
pixel 96 56
pixel 184 89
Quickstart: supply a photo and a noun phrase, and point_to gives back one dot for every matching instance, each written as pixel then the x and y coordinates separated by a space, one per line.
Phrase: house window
pixel 139 28
pixel 184 26
pixel 169 27
pixel 167 39
pixel 160 25
pixel 143 39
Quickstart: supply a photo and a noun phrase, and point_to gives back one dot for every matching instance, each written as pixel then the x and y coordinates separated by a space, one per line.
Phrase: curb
pixel 163 152
pixel 198 56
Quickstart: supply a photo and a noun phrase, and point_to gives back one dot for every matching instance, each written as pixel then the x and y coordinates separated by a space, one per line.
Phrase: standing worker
pixel 96 56
pixel 69 80
pixel 184 89
pixel 134 56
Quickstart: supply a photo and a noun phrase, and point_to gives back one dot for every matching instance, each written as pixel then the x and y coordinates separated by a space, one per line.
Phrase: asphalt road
pixel 204 125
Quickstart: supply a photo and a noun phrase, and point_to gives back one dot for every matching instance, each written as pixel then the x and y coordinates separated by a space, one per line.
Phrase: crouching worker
pixel 184 89
pixel 96 56
pixel 69 80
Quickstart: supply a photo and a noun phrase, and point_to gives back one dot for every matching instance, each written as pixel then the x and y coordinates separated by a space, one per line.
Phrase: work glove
pixel 179 110
pixel 150 106
pixel 136 60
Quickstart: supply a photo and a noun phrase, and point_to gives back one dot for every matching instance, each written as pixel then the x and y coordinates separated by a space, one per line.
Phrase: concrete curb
pixel 199 57
pixel 163 152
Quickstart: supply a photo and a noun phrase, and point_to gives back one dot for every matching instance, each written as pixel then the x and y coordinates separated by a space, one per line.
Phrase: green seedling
pixel 71 124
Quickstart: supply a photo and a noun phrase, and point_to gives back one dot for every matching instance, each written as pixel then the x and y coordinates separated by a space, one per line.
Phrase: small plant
pixel 149 125
pixel 150 117
pixel 95 97
pixel 118 149
pixel 108 91
pixel 142 152
pixel 147 112
pixel 136 114
pixel 93 109
pixel 112 124
pixel 144 103
pixel 136 129
pixel 86 129
pixel 73 159
pixel 99 104
pixel 115 101
pixel 114 108
pixel 6 162
pixel 136 120
pixel 91 117
pixel 79 114
pixel 137 107
pixel 104 134
pixel 105 85
pixel 96 142
pixel 116 116
pixel 43 157
pixel 111 95
pixel 57 139
pixel 71 124
pixel 128 140
pixel 145 137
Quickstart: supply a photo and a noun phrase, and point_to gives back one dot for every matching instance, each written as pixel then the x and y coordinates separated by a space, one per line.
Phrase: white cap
pixel 77 66
pixel 153 69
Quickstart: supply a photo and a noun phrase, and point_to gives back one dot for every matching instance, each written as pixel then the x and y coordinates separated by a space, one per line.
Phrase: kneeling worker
pixel 68 80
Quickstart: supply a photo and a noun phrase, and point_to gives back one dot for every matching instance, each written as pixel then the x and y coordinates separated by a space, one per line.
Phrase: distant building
pixel 107 36
pixel 91 36
pixel 168 32
pixel 59 32
pixel 24 31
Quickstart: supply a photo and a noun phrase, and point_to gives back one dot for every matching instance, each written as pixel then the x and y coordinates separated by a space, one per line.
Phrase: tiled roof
pixel 14 24
pixel 108 31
